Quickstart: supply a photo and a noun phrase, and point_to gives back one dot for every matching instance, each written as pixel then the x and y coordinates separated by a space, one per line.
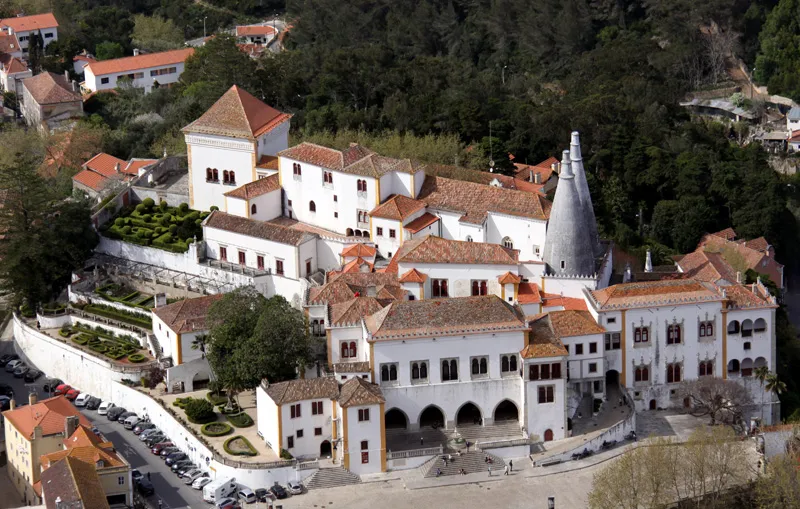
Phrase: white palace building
pixel 441 303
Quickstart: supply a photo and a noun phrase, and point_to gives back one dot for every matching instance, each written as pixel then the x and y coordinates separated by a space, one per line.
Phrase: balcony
pixel 236 268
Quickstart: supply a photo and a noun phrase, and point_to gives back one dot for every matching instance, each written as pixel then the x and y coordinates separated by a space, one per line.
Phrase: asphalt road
pixel 169 489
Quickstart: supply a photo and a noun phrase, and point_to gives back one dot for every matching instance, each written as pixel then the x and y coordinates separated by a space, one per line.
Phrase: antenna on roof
pixel 491 151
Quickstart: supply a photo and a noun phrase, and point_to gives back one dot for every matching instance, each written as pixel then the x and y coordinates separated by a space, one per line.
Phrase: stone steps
pixel 331 478
pixel 472 462
pixel 502 431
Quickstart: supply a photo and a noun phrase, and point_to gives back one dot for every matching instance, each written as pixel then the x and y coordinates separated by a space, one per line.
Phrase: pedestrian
pixel 511 465
pixel 489 468
pixel 438 472
pixel 468 444
pixel 445 460
pixel 148 476
pixel 505 470
pixel 462 472
pixel 421 441
pixel 160 504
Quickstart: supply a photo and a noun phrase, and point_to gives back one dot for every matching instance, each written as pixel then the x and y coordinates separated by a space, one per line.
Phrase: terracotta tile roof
pixel 92 180
pixel 242 31
pixel 706 266
pixel 50 88
pixel 421 222
pixel 352 311
pixel 413 276
pixel 74 482
pixel 252 50
pixel 544 169
pixel 28 23
pixel 359 249
pixel 257 229
pixel 105 164
pixel 85 446
pixel 302 389
pixel 654 293
pixel 759 244
pixel 256 188
pixel 351 367
pixel 475 201
pixel 744 297
pixel 346 286
pixel 138 62
pixel 49 414
pixel 12 65
pixel 354 265
pixel 268 162
pixel 187 315
pixel 574 323
pixel 135 165
pixel 357 392
pixel 9 43
pixel 397 207
pixel 740 257
pixel 509 278
pixel 551 300
pixel 528 293
pixel 543 340
pixel 237 114
pixel 435 317
pixel 481 177
pixel 373 165
pixel 431 249
pixel 325 157
pixel 727 234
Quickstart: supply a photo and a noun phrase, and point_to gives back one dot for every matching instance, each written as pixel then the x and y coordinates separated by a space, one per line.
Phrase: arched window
pixel 312 207
pixel 296 169
pixel 760 325
pixel 253 209
pixel 392 372
pixel 747 328
pixel 733 366
pixel 209 174
pixel 484 366
pixel 475 366
pixel 423 370
pixel 384 373
pixel 225 176
pixel 445 370
pixel 733 327
pixel 673 373
pixel 216 175
pixel 710 329
pixel 645 334
pixel 352 349
pixel 415 371
pixel 232 176
pixel 513 363
pixel 702 329
pixel 469 238
pixel 453 369
pixel 673 334
pixel 345 351
pixel 642 374
pixel 508 243
pixel 504 364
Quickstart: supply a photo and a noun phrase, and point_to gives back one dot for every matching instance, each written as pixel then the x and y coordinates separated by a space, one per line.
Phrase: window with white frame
pixel 706 329
pixel 674 334
pixel 641 334
pixel 612 340
pixel 449 370
pixel 479 367
pixel 389 373
pixel 546 394
pixel 419 371
pixel 508 364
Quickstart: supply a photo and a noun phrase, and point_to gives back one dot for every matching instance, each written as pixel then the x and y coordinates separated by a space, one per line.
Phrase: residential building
pixel 50 101
pixel 12 72
pixel 72 483
pixel 260 35
pixel 583 338
pixel 113 472
pixel 104 172
pixel 793 119
pixel 544 175
pixel 145 71
pixel 32 431
pixel 23 26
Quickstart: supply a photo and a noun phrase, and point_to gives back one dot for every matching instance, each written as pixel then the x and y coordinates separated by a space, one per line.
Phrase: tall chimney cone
pixel 575 146
pixel 566 166
pixel 648 262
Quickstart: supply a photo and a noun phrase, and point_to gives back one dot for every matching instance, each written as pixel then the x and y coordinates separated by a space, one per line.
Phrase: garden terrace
pixel 160 226
pixel 123 294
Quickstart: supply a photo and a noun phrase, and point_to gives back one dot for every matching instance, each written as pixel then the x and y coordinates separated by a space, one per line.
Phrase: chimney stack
pixel 74 86
pixel 530 175
pixel 117 168
pixel 739 277
pixel 13 404
pixel 628 275
pixel 371 291
pixel 537 178
pixel 136 52
pixel 32 399
pixel 160 300
pixel 648 262
pixel 70 425
pixel 66 76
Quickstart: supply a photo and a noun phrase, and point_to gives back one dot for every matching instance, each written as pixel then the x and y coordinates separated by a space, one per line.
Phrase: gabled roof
pixel 87 447
pixel 413 276
pixel 346 286
pixel 397 207
pixel 431 249
pixel 740 256
pixel 28 23
pixel 242 31
pixel 302 389
pixel 135 165
pixel 528 293
pixel 543 340
pixel 544 169
pixel 92 180
pixel 105 164
pixel 74 482
pixel 421 222
pixel 12 65
pixel 325 157
pixel 509 278
pixel 759 244
pixel 355 265
pixel 256 188
pixel 360 250
pixel 187 315
pixel 352 311
pixel 574 323
pixel 552 300
pixel 237 114
pixel 268 162
pixel 357 392
pixel 439 317
pixel 257 229
pixel 654 293
pixel 139 62
pixel 50 88
pixel 9 43
pixel 49 414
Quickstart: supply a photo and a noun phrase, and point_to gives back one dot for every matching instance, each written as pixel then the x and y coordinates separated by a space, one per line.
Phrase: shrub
pixel 199 411
pixel 148 203
pixel 122 316
pixel 241 447
pixel 216 399
pixel 101 348
pixel 65 332
pixel 141 209
pixel 137 357
pixel 147 218
pixel 173 228
pixel 115 354
pixel 181 402
pixel 213 208
pixel 286 455
pixel 119 221
pixel 216 429
pixel 163 205
pixel 82 338
pixel 126 230
pixel 183 207
pixel 241 420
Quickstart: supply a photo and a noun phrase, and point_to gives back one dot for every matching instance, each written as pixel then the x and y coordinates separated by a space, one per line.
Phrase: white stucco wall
pixel 268 206
pixel 267 413
pixel 384 242
pixel 452 228
pixel 460 277
pixel 252 247
pixel 95 82
pixel 307 446
pixel 357 432
pixel 209 151
pixel 526 234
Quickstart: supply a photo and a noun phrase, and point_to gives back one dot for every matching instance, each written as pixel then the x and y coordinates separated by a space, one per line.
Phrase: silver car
pixel 191 475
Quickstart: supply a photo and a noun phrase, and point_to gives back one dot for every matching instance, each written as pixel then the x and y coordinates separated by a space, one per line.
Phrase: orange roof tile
pixel 237 114
pixel 28 23
pixel 421 222
pixel 759 244
pixel 12 65
pixel 654 293
pixel 187 315
pixel 727 234
pixel 135 165
pixel 431 249
pixel 574 323
pixel 242 31
pixel 528 293
pixel 49 414
pixel 268 162
pixel 413 276
pixel 75 483
pixel 9 43
pixel 543 340
pixel 256 188
pixel 352 311
pixel 744 297
pixel 50 88
pixel 138 62
pixel 509 278
pixel 357 392
pixel 105 164
pixel 738 255
pixel 544 169
pixel 359 250
pixel 354 265
pixel 397 207
pixel 85 446
pixel 91 180
pixel 345 286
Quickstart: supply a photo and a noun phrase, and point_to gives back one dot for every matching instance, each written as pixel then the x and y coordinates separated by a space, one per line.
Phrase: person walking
pixel 468 444
pixel 421 441
pixel 489 468
pixel 148 476
pixel 505 470
pixel 160 504
pixel 445 460
pixel 511 465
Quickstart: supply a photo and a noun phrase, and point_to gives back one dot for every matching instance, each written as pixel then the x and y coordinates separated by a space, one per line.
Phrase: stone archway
pixel 396 419
pixel 432 417
pixel 506 411
pixel 200 380
pixel 325 449
pixel 469 413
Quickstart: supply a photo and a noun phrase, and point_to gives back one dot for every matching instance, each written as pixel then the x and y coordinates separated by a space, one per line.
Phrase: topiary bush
pixel 286 455
pixel 147 218
pixel 213 208
pixel 119 221
pixel 137 357
pixel 181 402
pixel 199 411
pixel 163 205
pixel 241 420
pixel 148 203
pixel 65 332
pixel 216 429
pixel 183 208
pixel 240 446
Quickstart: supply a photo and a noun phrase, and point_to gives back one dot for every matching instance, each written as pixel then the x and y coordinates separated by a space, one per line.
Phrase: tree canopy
pixel 154 33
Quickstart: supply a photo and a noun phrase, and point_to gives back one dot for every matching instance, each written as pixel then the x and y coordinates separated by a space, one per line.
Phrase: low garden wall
pixel 181 262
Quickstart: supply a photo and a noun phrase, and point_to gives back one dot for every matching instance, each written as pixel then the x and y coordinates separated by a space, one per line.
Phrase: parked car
pixel 32 375
pixel 72 394
pixel 279 491
pixel 124 415
pixel 93 403
pixel 136 474
pixel 145 487
pixel 21 370
pixel 146 433
pixel 191 475
pixel 247 496
pixel 175 457
pixel 96 430
pixel 182 466
pixel 114 413
pixel 82 399
pixel 142 426
pixel 294 487
pixel 228 503
pixel 5 403
pixel 104 407
pixel 6 390
pixel 8 357
pixel 263 495
pixel 51 383
pixel 11 366
pixel 166 451
pixel 200 482
pixel 62 389
pixel 157 447
pixel 155 438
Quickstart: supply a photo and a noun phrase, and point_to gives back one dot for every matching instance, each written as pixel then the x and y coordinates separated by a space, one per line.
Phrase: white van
pixel 219 489
pixel 131 422
pixel 105 406
pixel 81 399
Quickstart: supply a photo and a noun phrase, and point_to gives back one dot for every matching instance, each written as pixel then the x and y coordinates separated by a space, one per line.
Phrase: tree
pixel 108 50
pixel 761 374
pixel 253 338
pixel 773 385
pixel 721 400
pixel 155 33
pixel 35 52
pixel 780 487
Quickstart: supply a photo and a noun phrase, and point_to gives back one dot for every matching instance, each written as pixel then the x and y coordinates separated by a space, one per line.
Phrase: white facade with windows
pixel 144 71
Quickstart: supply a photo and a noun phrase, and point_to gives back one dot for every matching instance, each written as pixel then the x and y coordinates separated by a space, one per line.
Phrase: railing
pixel 236 268
pixel 414 453
pixel 256 466
pixel 494 444
pixel 307 465
pixel 108 321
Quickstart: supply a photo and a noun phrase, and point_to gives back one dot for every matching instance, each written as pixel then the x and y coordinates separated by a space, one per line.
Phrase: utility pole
pixel 204 28
pixel 503 74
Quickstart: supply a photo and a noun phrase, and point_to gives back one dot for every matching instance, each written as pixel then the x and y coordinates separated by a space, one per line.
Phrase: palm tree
pixel 775 386
pixel 761 374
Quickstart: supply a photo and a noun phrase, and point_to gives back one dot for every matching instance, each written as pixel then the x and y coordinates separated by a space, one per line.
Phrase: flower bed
pixel 161 226
pixel 129 297
pixel 239 446
pixel 137 357
pixel 123 316
pixel 240 420
pixel 216 429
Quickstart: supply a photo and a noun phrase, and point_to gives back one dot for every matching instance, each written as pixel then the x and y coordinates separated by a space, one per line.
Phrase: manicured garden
pixel 125 295
pixel 160 226
pixel 239 446
pixel 128 317
pixel 104 342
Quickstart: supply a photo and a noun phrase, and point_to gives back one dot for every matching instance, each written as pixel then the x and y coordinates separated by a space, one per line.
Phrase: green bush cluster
pixel 137 357
pixel 147 224
pixel 66 332
pixel 122 316
pixel 102 341
pixel 286 455
pixel 216 429
pixel 251 450
pixel 119 293
pixel 240 420
pixel 199 411
pixel 181 402
pixel 217 398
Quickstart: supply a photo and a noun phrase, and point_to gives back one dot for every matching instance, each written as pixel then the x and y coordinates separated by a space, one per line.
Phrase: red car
pixel 62 389
pixel 72 394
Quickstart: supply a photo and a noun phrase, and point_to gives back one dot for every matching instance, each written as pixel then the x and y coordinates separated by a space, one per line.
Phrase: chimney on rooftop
pixel 160 300
pixel 74 86
pixel 32 399
pixel 739 277
pixel 556 167
pixel 12 404
pixel 371 291
pixel 648 262
pixel 70 425
pixel 537 178
pixel 136 52
pixel 117 168
pixel 66 75
pixel 530 175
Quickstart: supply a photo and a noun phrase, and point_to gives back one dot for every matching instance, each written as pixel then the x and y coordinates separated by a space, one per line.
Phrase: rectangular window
pixel 392 233
pixel 544 370
pixel 364 457
pixel 546 394
pixel 317 432
pixel 154 72
pixel 379 231
pixel 611 319
pixel 592 347
pixel 289 442
pixel 316 408
pixel 242 258
pixel 295 411
pixel 579 349
pixel 260 262
pixel 674 334
pixel 439 288
pixel 612 340
pixel 223 253
pixel 104 81
pixel 299 433
pixel 335 214
pixel 592 367
pixel 279 267
pixel 533 372
pixel 364 445
pixel 555 371
pixel 363 414
pixel 641 334
pixel 335 198
pixel 120 480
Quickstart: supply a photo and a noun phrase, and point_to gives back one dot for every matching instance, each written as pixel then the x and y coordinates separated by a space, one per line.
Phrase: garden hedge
pixel 199 411
pixel 116 314
pixel 252 450
pixel 216 429
pixel 240 420
pixel 217 399
pixel 137 357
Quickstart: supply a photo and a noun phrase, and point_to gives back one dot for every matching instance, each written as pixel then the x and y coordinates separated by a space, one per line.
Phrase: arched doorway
pixel 396 419
pixel 652 404
pixel 548 435
pixel 349 232
pixel 325 449
pixel 612 378
pixel 200 381
pixel 506 411
pixel 469 414
pixel 431 417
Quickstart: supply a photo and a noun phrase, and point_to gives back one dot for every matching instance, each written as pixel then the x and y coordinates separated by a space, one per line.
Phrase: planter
pixel 136 357
pixel 216 429
pixel 240 420
pixel 239 446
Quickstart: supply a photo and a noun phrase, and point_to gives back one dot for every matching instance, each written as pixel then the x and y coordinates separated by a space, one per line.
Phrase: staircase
pixel 155 345
pixel 402 440
pixel 472 462
pixel 505 430
pixel 331 478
